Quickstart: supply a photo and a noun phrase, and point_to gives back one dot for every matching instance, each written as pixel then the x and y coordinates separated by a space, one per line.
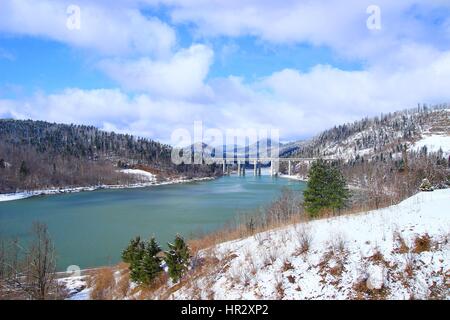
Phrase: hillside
pixel 383 136
pixel 399 252
pixel 38 154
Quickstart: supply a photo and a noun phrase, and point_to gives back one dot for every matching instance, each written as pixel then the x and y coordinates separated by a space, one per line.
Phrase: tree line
pixel 39 154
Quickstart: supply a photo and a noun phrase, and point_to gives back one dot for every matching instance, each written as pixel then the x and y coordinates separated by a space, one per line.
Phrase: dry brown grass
pixel 378 258
pixel 291 278
pixel 287 265
pixel 362 292
pixel 103 284
pixel 304 238
pixel 279 288
pixel 422 243
pixel 410 264
pixel 123 285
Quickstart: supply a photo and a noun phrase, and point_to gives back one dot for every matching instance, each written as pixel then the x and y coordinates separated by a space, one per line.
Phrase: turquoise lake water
pixel 91 228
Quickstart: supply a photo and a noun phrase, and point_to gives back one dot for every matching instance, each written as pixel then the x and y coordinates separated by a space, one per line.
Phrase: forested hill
pixel 82 141
pixel 38 154
pixel 384 136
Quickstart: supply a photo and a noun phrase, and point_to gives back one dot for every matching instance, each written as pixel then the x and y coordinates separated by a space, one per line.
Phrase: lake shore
pixel 54 191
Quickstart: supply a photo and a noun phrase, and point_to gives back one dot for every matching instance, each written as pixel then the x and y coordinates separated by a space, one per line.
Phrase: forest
pixel 38 154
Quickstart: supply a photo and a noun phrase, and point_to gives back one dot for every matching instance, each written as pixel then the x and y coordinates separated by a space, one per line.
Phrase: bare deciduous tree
pixel 30 272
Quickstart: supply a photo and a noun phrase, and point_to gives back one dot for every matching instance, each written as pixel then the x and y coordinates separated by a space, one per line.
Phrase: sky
pixel 149 67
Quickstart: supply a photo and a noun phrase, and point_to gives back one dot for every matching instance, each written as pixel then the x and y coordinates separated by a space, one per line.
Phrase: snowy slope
pixel 370 137
pixel 142 174
pixel 434 142
pixel 367 256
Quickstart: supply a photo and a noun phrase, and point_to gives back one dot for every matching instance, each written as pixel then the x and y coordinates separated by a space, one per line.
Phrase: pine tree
pixel 151 263
pixel 177 258
pixel 23 171
pixel 133 255
pixel 338 192
pixel 132 252
pixel 326 188
pixel 315 194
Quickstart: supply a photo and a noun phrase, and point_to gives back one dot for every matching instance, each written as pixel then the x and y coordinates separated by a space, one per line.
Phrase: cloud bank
pixel 162 86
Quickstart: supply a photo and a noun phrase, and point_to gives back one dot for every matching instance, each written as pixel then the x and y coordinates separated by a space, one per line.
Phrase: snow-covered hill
pixel 400 252
pixel 434 143
pixel 387 134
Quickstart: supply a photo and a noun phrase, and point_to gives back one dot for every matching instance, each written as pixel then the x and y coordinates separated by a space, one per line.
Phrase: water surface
pixel 92 228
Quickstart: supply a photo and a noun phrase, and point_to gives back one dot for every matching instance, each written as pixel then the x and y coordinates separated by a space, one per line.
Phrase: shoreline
pixel 293 177
pixel 64 190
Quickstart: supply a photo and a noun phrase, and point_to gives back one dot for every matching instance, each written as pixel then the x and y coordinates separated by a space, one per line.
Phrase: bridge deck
pixel 271 159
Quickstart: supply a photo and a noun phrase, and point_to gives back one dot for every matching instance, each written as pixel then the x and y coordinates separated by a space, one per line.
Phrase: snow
pixel 293 177
pixel 341 255
pixel 141 173
pixel 76 287
pixel 434 142
pixel 149 180
pixel 15 196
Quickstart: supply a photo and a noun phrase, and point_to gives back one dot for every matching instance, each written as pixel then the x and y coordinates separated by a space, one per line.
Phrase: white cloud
pixel 300 104
pixel 180 76
pixel 163 88
pixel 105 27
pixel 340 25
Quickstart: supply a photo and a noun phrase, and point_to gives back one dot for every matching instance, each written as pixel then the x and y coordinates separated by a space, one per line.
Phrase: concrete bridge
pixel 274 164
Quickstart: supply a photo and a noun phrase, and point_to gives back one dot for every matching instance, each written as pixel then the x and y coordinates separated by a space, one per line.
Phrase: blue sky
pixel 149 67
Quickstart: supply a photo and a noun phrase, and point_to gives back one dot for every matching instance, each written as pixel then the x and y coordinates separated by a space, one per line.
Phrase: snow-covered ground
pixel 399 252
pixel 434 142
pixel 144 175
pixel 293 177
pixel 76 287
pixel 377 254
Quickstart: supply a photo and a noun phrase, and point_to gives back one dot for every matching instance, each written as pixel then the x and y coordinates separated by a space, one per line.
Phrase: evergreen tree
pixel 133 250
pixel 326 188
pixel 133 255
pixel 23 170
pixel 144 265
pixel 151 263
pixel 338 192
pixel 177 258
pixel 314 195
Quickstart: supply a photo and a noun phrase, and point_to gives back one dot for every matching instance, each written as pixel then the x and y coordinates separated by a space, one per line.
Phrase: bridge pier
pixel 274 168
pixel 228 167
pixel 224 166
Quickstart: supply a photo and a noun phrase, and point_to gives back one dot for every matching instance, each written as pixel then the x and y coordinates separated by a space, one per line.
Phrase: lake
pixel 92 228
